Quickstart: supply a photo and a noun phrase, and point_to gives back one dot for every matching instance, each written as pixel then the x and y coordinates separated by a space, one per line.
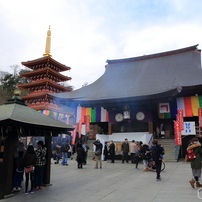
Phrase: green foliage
pixel 9 82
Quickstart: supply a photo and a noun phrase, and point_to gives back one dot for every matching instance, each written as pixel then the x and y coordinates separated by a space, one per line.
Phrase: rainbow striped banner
pixel 189 105
pixel 58 116
pixel 97 114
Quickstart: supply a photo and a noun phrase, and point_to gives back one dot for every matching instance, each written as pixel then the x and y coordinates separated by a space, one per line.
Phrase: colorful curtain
pixel 97 114
pixel 190 105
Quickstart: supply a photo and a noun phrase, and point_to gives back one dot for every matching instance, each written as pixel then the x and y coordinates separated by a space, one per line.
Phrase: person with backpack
pixel 195 162
pixel 40 164
pixel 65 149
pixel 157 155
pixel 98 153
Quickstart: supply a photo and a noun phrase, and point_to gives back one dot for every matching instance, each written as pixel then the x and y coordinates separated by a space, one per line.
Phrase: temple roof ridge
pixel 155 55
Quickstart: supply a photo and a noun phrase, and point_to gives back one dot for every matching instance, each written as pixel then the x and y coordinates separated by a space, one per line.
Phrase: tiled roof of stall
pixel 18 112
pixel 143 76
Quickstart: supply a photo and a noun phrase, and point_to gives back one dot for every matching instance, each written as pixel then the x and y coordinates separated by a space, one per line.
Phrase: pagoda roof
pixel 36 95
pixel 47 69
pixel 143 77
pixel 43 82
pixel 46 59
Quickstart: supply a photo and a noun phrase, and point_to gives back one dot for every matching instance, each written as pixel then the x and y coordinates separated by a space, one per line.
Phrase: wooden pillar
pixel 6 166
pixel 109 129
pixel 150 127
pixel 47 169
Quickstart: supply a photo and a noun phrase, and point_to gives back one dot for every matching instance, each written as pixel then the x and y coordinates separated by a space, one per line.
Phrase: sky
pixel 86 33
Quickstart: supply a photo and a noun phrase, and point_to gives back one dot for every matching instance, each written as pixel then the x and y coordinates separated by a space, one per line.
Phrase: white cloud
pixel 85 33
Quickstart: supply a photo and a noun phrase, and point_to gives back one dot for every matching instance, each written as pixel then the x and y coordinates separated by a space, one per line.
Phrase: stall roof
pixel 16 111
pixel 143 76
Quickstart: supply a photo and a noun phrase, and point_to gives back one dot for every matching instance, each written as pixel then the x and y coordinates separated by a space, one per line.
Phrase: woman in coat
pixel 29 161
pixel 196 163
pixel 105 151
pixel 80 156
pixel 112 151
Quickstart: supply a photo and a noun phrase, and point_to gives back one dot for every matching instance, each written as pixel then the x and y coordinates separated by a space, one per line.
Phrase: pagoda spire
pixel 48 44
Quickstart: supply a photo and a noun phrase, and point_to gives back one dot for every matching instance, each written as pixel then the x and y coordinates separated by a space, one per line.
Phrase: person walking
pixel 80 156
pixel 125 150
pixel 86 148
pixel 40 163
pixel 112 151
pixel 29 162
pixel 133 150
pixel 137 156
pixel 157 156
pixel 64 149
pixel 106 151
pixel 196 163
pixel 145 154
pixel 98 153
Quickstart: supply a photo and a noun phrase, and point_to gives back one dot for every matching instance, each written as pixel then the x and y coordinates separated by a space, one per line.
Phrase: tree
pixel 2 75
pixel 66 85
pixel 16 70
pixel 9 82
pixel 24 80
pixel 85 84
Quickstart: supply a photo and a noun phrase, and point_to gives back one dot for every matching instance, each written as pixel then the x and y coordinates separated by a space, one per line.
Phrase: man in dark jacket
pixel 98 153
pixel 112 151
pixel 64 149
pixel 125 150
pixel 157 155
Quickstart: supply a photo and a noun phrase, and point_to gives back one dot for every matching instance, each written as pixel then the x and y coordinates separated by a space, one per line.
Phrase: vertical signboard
pixel 178 135
pixel 200 116
pixel 180 118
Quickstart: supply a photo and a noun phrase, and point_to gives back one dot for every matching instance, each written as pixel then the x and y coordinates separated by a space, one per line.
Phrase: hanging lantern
pixel 126 112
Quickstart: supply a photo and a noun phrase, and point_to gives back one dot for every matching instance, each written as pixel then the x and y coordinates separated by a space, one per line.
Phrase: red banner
pixel 200 117
pixel 87 122
pixel 180 118
pixel 79 127
pixel 73 135
pixel 178 135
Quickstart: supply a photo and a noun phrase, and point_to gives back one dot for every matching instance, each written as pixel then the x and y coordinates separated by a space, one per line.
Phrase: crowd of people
pixel 30 161
pixel 138 151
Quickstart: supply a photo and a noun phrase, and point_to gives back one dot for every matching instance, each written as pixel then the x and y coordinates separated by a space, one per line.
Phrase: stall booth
pixel 18 120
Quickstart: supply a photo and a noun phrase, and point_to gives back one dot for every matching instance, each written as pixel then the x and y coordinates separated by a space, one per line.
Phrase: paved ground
pixel 114 183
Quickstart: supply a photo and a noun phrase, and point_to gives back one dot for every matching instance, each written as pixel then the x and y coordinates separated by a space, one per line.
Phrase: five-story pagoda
pixel 44 79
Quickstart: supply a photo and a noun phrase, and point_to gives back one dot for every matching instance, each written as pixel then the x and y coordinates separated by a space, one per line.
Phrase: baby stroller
pixel 57 157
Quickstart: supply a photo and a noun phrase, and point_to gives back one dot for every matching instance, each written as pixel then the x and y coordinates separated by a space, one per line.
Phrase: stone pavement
pixel 114 183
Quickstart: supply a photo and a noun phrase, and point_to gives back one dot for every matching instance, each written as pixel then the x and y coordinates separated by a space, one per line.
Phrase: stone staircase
pixel 169 146
pixel 90 151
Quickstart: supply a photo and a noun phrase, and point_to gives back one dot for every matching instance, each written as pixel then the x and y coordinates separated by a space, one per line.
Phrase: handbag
pixel 98 152
pixel 28 169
